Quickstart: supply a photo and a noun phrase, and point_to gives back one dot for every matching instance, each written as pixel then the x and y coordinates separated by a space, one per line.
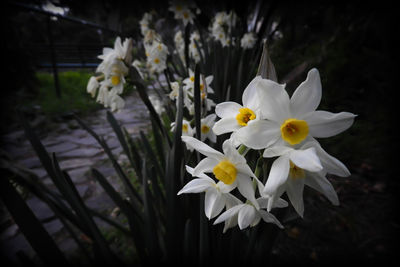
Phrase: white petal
pixel 205 165
pixel 250 96
pixel 213 203
pixel 331 164
pixel 270 218
pixel 276 151
pixel 280 203
pixel 226 188
pixel 209 119
pixel 229 213
pixel 327 124
pixel 275 101
pixel 307 96
pixel 306 159
pixel 278 175
pixel 226 125
pixel 321 184
pixel 259 134
pixel 196 186
pixel 202 148
pixel 245 170
pixel 294 191
pixel 245 187
pixel 227 109
pixel 231 153
pixel 246 216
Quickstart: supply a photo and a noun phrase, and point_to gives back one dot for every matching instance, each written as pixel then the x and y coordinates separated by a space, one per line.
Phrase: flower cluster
pixel 285 129
pixel 222 25
pixel 109 84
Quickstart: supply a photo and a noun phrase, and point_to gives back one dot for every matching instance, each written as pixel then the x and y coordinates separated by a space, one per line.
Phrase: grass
pixel 73 93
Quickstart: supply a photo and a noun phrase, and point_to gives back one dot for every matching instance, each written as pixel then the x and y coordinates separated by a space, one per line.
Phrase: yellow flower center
pixel 115 80
pixel 156 60
pixel 294 131
pixel 192 78
pixel 245 114
pixel 185 128
pixel 186 15
pixel 225 171
pixel 205 129
pixel 296 172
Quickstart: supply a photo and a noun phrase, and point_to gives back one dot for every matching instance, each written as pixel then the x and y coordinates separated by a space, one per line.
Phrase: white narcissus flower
pixel 116 102
pixel 229 167
pixel 217 195
pixel 189 84
pixel 157 56
pixel 235 117
pixel 295 168
pixel 187 130
pixel 92 86
pixel 248 40
pixel 292 120
pixel 206 125
pixel 181 10
pixel 246 214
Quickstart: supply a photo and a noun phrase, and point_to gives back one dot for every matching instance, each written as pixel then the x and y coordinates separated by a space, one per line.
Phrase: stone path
pixel 77 151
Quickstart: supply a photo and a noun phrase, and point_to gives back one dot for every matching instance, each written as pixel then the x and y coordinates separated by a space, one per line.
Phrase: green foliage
pixel 73 93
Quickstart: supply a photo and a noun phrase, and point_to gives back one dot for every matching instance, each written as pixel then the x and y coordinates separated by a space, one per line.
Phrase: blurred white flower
pixel 248 40
pixel 206 128
pixel 92 86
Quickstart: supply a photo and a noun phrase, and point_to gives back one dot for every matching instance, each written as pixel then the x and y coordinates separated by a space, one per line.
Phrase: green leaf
pixel 101 248
pixel 145 98
pixel 30 226
pixel 135 198
pixel 120 135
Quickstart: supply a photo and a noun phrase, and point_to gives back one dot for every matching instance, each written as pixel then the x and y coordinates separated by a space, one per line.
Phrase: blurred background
pixel 353 45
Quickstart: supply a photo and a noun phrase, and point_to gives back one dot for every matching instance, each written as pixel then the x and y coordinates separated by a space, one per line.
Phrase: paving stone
pixel 40 208
pixel 40 172
pixel 54 226
pixel 75 163
pixel 32 162
pixel 62 147
pixel 78 175
pixel 82 152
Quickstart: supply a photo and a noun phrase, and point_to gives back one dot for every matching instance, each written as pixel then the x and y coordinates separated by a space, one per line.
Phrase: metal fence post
pixel 53 58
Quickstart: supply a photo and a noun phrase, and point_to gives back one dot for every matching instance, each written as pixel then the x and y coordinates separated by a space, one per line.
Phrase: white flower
pixel 157 57
pixel 180 45
pixel 195 47
pixel 292 120
pixel 189 84
pixel 181 11
pixel 295 168
pixel 235 117
pixel 157 104
pixel 145 23
pixel 92 86
pixel 229 167
pixel 206 125
pixel 246 214
pixel 248 40
pixel 217 195
pixel 116 103
pixel 187 130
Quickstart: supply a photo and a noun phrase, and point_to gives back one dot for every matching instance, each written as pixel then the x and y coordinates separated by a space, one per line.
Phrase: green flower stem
pixel 242 149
